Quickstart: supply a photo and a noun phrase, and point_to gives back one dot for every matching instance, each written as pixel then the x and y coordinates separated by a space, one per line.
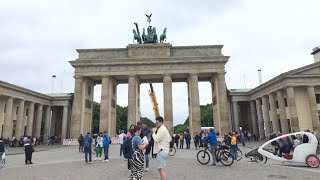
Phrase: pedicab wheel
pixel 172 151
pixel 261 159
pixel 2 163
pixel 313 161
pixel 239 155
pixel 226 159
pixel 203 157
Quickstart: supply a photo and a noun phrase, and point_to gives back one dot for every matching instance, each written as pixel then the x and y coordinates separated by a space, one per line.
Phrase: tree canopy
pixel 122 118
pixel 206 119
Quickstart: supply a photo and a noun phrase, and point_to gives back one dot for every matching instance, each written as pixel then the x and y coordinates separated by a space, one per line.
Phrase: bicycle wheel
pixel 172 151
pixel 226 158
pixel 203 157
pixel 239 155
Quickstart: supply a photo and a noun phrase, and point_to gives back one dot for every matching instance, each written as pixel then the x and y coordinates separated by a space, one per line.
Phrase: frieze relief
pixel 143 52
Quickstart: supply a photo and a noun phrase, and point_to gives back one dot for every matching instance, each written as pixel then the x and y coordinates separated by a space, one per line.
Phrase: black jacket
pixel 28 148
pixel 1 146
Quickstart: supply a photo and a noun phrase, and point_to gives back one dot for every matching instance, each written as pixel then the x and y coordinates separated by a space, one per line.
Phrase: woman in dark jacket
pixel 28 150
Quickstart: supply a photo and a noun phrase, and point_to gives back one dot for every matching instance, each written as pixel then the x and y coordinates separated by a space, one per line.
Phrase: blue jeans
pixel 87 151
pixel 106 152
pixel 233 151
pixel 147 160
pixel 121 149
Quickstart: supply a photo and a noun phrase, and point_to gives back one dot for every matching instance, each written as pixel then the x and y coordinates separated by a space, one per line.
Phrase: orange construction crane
pixel 153 98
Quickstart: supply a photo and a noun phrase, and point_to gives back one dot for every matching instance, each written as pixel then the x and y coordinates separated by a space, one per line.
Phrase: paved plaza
pixel 65 163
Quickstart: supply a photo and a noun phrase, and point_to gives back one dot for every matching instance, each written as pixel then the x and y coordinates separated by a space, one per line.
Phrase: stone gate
pixel 147 63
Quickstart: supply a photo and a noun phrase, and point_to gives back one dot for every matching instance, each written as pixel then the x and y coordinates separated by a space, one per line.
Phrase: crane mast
pixel 153 98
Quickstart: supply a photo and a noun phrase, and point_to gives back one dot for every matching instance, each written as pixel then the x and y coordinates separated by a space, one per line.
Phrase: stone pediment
pixel 311 69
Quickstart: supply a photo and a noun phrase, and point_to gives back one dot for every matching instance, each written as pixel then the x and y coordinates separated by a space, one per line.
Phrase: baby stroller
pixel 255 156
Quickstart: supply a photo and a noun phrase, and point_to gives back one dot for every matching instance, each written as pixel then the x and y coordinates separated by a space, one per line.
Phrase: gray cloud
pixel 38 38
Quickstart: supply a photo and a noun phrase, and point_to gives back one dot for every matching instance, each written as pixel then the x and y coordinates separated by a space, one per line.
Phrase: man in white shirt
pixel 161 139
pixel 122 137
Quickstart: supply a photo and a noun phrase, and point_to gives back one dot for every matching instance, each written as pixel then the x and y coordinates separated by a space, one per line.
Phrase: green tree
pixel 122 118
pixel 96 117
pixel 206 119
pixel 148 122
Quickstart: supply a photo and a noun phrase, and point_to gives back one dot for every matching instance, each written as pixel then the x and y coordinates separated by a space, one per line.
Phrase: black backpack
pixel 127 148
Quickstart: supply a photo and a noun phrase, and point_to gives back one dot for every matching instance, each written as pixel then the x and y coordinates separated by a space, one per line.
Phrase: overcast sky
pixel 38 38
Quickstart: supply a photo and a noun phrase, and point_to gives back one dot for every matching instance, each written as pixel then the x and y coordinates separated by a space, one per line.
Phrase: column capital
pixel 221 73
pixel 78 77
pixel 105 76
pixel 193 74
pixel 132 75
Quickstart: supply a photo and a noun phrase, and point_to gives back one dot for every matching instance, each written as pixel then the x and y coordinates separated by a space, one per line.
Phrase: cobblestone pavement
pixel 19 150
pixel 67 164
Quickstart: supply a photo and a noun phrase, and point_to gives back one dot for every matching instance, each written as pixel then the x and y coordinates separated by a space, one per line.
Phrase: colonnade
pixel 19 117
pixel 82 104
pixel 291 109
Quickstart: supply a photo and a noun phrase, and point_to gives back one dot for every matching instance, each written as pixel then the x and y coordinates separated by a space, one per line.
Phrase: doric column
pixel 19 124
pixel 47 123
pixel 253 116
pixel 292 110
pixel 260 119
pixel 282 112
pixel 221 122
pixel 236 115
pixel 64 122
pixel 76 109
pixel 53 122
pixel 105 106
pixel 30 119
pixel 8 124
pixel 38 121
pixel 194 113
pixel 2 109
pixel 266 118
pixel 313 108
pixel 133 102
pixel 167 100
pixel 273 115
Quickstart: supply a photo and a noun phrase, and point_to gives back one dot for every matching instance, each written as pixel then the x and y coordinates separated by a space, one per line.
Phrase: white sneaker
pixel 99 159
pixel 147 169
pixel 107 160
pixel 95 159
pixel 90 162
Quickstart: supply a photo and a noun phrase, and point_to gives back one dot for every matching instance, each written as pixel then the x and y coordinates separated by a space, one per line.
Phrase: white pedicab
pixel 303 153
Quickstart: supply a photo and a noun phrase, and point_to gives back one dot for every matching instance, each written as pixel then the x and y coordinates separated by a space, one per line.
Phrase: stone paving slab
pixel 66 163
pixel 19 150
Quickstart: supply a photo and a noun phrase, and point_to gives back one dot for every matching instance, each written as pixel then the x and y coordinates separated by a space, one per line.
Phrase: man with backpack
pixel 87 143
pixel 122 138
pixel 212 140
pixel 106 140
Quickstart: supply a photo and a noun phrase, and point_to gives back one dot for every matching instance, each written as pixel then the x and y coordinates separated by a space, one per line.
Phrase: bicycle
pixel 239 154
pixel 3 160
pixel 172 151
pixel 222 155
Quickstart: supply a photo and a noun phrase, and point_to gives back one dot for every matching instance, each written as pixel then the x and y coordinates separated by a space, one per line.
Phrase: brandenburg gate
pixel 147 62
